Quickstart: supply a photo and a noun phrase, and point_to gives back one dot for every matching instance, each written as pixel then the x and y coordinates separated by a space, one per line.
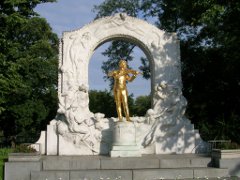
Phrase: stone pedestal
pixel 52 139
pixel 124 140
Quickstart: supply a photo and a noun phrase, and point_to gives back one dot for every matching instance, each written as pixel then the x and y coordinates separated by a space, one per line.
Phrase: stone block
pixel 71 162
pixel 40 145
pixel 13 157
pixel 124 140
pixel 68 148
pixel 129 163
pixel 226 153
pixel 126 153
pixel 124 133
pixel 50 175
pixel 52 139
pixel 84 163
pixel 185 162
pixel 233 166
pixel 162 174
pixel 61 163
pixel 101 174
pixel 125 148
pixel 210 172
pixel 20 170
pixel 201 162
pixel 175 163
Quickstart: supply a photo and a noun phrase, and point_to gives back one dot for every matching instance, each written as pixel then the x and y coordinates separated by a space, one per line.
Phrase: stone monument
pixel 77 131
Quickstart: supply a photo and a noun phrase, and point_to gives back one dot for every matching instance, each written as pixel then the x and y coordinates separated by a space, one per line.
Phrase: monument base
pixel 124 140
pixel 187 166
pixel 124 136
pixel 125 151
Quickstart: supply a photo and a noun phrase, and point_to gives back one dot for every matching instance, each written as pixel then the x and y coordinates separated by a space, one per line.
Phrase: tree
pixel 141 105
pixel 28 68
pixel 103 102
pixel 209 35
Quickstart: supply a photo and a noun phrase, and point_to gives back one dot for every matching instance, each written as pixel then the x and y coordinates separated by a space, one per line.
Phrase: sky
pixel 68 15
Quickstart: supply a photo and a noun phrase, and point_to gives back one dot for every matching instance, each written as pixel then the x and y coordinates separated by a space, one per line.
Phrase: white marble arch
pixel 161 48
pixel 164 129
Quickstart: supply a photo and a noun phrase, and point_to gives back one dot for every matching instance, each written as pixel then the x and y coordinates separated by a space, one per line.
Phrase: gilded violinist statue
pixel 121 76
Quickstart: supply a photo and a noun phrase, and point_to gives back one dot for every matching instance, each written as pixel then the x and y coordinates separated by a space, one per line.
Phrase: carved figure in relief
pixel 150 116
pixel 77 55
pixel 160 94
pixel 76 120
pixel 172 105
pixel 119 20
pixel 73 105
pixel 121 77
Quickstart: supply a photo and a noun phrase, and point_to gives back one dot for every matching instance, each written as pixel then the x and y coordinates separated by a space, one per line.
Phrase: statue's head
pixel 122 64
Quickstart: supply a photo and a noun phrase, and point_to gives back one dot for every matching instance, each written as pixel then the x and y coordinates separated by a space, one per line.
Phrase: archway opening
pixel 100 94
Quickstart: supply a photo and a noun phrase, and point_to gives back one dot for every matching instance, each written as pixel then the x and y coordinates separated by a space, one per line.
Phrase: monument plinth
pixel 124 140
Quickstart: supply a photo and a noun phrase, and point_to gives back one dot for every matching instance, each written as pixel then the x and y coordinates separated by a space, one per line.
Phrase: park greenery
pixel 209 35
pixel 28 69
pixel 103 101
pixel 3 157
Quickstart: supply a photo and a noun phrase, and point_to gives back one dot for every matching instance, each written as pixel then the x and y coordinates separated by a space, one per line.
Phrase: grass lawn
pixel 3 156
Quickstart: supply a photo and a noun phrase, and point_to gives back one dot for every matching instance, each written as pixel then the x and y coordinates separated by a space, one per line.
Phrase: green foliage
pixel 227 145
pixel 210 36
pixel 103 101
pixel 28 68
pixel 141 105
pixel 110 7
pixel 23 148
pixel 3 156
pixel 22 7
pixel 210 75
pixel 145 68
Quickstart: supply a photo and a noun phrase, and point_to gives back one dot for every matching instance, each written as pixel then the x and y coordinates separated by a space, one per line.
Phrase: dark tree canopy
pixel 141 105
pixel 103 101
pixel 28 69
pixel 209 34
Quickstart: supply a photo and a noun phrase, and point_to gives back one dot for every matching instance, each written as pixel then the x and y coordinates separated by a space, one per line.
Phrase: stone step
pixel 138 174
pixel 102 162
pixel 180 173
pixel 185 162
pixel 70 162
pixel 103 167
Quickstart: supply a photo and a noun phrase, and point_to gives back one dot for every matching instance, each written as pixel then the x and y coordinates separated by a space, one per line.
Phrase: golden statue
pixel 121 77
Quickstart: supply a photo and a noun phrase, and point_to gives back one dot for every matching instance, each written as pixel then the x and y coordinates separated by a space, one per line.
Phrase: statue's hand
pixel 111 73
pixel 137 73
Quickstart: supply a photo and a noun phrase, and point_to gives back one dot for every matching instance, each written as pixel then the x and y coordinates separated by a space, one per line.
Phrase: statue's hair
pixel 122 61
